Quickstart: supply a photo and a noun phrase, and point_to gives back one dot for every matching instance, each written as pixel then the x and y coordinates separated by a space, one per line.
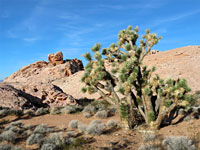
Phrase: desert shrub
pixel 6 147
pixel 82 127
pixel 69 109
pixel 3 113
pixel 90 109
pixel 9 147
pixel 178 143
pixel 148 137
pixel 49 146
pixel 112 110
pixel 73 124
pixel 29 127
pixel 71 134
pixel 35 138
pixel 29 112
pixel 17 123
pixel 41 111
pixel 112 123
pixel 9 136
pixel 57 138
pixel 101 114
pixel 150 147
pixel 18 113
pixel 15 129
pixel 43 129
pixel 87 114
pixel 95 128
pixel 55 110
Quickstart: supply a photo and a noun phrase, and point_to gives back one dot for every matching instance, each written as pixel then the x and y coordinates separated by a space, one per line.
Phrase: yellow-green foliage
pixel 126 74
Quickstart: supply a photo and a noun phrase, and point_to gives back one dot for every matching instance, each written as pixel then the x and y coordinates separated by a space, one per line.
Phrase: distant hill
pixel 1 80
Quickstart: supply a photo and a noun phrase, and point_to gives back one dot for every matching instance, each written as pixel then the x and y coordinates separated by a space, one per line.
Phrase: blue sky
pixel 31 29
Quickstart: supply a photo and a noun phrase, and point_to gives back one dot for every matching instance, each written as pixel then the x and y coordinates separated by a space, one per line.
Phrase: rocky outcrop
pixel 56 59
pixel 42 71
pixel 13 98
pixel 46 93
pixel 37 79
pixel 153 52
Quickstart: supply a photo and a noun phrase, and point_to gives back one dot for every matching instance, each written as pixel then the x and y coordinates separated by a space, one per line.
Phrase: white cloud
pixel 175 18
pixel 33 39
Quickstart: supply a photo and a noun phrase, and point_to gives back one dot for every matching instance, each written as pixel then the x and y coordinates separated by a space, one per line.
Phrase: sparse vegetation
pixel 73 124
pixel 101 114
pixel 41 111
pixel 9 136
pixel 35 138
pixel 95 128
pixel 178 143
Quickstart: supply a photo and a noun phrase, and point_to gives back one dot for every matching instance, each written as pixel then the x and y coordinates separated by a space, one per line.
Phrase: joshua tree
pixel 118 75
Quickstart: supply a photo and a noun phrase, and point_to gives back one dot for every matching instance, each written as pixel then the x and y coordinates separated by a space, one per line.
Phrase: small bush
pixel 9 147
pixel 49 146
pixel 90 109
pixel 17 123
pixel 41 111
pixel 69 109
pixel 150 147
pixel 71 134
pixel 29 127
pixel 34 139
pixel 73 124
pixel 14 129
pixel 29 112
pixel 87 114
pixel 112 123
pixel 112 110
pixel 101 114
pixel 43 129
pixel 95 128
pixel 4 112
pixel 57 138
pixel 55 110
pixel 82 127
pixel 18 113
pixel 9 136
pixel 178 143
pixel 148 137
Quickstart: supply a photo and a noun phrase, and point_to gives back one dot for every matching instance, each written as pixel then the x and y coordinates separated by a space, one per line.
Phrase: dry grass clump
pixel 35 138
pixel 29 112
pixel 9 136
pixel 82 127
pixel 73 124
pixel 43 129
pixel 55 110
pixel 87 114
pixel 17 123
pixel 102 114
pixel 112 124
pixel 49 146
pixel 42 111
pixel 99 107
pixel 178 143
pixel 70 109
pixel 95 128
pixel 9 147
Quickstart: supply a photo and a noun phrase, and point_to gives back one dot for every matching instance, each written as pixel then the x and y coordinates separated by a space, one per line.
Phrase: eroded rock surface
pixel 37 79
pixel 13 98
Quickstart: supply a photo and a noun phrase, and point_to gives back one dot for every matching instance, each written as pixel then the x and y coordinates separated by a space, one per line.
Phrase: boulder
pixel 56 59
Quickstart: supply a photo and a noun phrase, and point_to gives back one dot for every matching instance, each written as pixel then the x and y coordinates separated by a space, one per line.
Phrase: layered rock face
pixel 17 99
pixel 37 79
